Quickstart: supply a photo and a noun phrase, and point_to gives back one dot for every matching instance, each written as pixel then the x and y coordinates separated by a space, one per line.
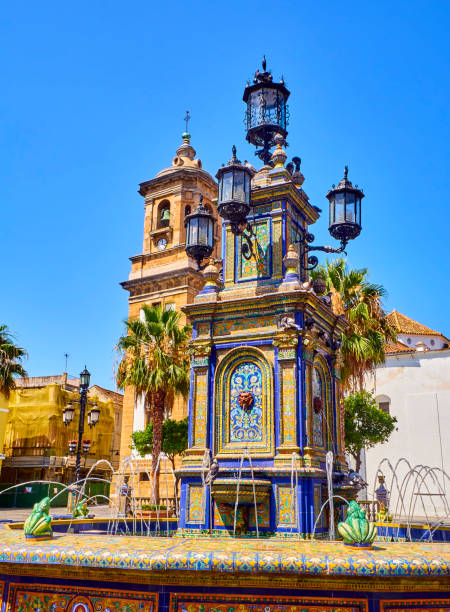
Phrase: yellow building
pixel 36 441
pixel 163 274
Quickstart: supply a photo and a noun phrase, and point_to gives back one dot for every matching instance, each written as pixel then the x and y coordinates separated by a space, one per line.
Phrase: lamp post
pixel 93 417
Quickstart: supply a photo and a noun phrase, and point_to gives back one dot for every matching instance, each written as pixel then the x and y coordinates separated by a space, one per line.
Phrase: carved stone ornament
pixel 317 404
pixel 245 400
pixel 286 338
pixel 200 348
pixel 309 340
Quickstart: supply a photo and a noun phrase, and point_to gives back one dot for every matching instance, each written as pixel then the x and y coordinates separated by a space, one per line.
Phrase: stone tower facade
pixel 162 273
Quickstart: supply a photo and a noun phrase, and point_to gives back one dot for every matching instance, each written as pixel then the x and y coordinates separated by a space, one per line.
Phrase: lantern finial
pixel 264 63
pixel 345 172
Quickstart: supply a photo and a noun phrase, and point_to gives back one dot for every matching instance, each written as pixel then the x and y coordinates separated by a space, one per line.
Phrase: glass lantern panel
pixel 247 188
pixel 202 231
pixel 358 210
pixel 210 233
pixel 193 231
pixel 239 186
pixel 332 215
pixel 227 186
pixel 350 215
pixel 339 208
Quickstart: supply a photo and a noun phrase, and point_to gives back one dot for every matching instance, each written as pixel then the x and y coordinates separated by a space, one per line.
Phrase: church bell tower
pixel 163 274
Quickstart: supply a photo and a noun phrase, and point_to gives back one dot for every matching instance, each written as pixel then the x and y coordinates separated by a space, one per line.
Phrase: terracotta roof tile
pixel 398 347
pixel 405 325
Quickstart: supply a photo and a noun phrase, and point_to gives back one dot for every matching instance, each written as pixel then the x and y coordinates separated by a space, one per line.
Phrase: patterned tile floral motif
pixel 49 598
pixel 317 417
pixel 224 515
pixel 288 404
pixel 249 268
pixel 196 512
pixel 202 602
pixel 246 422
pixel 263 511
pixel 201 404
pixel 287 508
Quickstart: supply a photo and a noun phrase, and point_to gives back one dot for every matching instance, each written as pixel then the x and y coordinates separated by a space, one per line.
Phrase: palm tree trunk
pixel 158 418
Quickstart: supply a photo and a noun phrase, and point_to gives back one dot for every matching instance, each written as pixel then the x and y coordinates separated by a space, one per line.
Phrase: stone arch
pixel 240 421
pixel 163 214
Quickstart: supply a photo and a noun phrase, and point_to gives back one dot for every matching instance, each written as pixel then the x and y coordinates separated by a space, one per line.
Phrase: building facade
pixel 36 444
pixel 414 386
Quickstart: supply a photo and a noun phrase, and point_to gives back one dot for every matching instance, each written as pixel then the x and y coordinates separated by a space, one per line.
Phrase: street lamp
pixel 345 220
pixel 199 234
pixel 93 417
pixel 345 210
pixel 267 111
pixel 234 203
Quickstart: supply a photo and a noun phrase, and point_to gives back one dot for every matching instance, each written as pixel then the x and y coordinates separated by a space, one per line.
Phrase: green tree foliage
pixel 365 424
pixel 174 439
pixel 364 339
pixel 155 362
pixel 10 357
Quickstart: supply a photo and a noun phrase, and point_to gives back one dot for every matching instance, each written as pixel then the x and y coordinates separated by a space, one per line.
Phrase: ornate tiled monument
pixel 264 380
pixel 265 440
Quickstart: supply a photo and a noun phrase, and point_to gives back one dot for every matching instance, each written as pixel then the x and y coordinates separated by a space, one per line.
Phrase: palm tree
pixel 364 340
pixel 156 363
pixel 10 357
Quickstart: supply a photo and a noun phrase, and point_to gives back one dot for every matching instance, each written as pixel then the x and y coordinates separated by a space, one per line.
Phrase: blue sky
pixel 93 100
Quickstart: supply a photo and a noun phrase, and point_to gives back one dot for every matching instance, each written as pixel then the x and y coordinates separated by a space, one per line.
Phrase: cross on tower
pixel 187 119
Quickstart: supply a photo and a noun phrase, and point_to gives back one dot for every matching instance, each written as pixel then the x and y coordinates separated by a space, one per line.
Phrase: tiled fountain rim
pixel 227 555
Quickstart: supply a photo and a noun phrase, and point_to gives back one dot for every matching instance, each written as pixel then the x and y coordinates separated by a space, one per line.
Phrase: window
pixel 384 403
pixel 156 304
pixel 187 210
pixel 170 306
pixel 408 340
pixel 432 342
pixel 163 214
pixel 144 477
pixel 384 406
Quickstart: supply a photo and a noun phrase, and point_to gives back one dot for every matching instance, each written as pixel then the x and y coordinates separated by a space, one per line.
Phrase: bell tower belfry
pixel 162 273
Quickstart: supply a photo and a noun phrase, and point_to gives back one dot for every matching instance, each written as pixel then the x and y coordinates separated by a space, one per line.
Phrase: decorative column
pixel 199 400
pixel 286 342
pixel 308 351
pixel 338 407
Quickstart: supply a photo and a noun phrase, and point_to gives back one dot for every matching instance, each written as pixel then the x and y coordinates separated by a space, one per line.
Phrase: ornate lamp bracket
pixel 305 243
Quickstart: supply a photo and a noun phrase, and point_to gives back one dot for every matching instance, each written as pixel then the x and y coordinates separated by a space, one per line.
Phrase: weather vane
pixel 187 119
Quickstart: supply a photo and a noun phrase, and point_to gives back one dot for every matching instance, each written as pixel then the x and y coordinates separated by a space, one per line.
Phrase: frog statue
pixel 38 524
pixel 356 529
pixel 81 510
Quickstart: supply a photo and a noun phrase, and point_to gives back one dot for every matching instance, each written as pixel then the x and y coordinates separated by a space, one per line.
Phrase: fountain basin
pixel 225 490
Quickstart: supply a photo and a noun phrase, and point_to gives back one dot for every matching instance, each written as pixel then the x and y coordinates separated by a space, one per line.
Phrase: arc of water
pixel 321 510
pixel 329 467
pixel 245 453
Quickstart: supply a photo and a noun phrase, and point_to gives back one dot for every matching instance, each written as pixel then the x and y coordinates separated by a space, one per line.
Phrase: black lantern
pixel 85 377
pixel 345 210
pixel 233 202
pixel 267 111
pixel 199 233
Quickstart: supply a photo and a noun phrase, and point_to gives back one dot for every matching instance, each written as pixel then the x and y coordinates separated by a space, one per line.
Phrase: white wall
pixel 418 386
